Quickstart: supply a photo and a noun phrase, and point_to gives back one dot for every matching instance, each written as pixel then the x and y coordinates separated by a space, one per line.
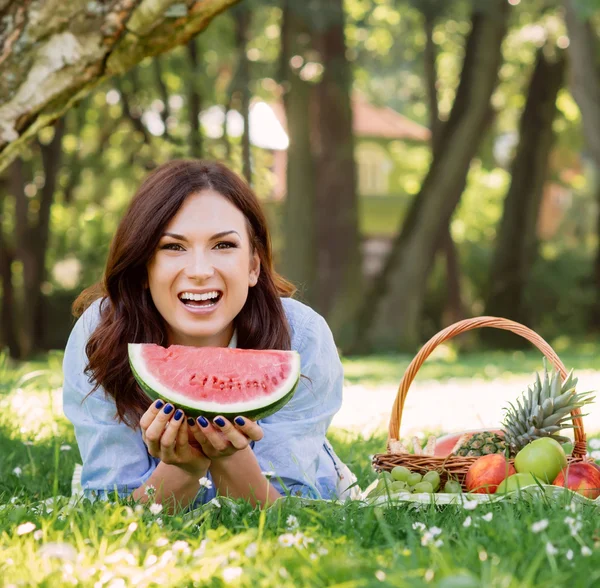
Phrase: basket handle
pixel 579 448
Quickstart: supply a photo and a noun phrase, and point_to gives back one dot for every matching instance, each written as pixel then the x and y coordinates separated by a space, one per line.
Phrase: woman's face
pixel 201 271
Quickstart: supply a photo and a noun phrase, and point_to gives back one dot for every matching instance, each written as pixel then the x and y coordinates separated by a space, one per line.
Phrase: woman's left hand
pixel 222 438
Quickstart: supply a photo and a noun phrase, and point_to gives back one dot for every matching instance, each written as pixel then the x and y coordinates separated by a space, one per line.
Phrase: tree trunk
pixel 243 17
pixel 163 93
pixel 585 85
pixel 390 316
pixel 50 62
pixel 300 246
pixel 339 286
pixel 517 243
pixel 194 102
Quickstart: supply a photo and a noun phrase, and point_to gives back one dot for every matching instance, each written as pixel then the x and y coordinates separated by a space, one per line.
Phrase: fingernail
pixel 190 421
pixel 178 414
pixel 240 421
pixel 168 409
pixel 220 422
pixel 202 422
pixel 159 404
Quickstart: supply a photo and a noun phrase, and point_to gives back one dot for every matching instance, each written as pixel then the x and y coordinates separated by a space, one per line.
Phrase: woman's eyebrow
pixel 215 236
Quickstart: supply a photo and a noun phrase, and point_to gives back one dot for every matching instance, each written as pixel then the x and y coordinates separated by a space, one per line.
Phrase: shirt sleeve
pixel 294 436
pixel 114 456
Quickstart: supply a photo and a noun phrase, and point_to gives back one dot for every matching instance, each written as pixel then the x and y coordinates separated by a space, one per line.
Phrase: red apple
pixel 487 472
pixel 581 477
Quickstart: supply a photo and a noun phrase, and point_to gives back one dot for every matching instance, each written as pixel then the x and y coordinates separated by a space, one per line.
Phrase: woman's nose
pixel 200 267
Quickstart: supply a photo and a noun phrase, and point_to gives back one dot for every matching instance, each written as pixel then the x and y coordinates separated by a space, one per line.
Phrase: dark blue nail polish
pixel 190 421
pixel 202 421
pixel 168 409
pixel 178 414
pixel 220 422
pixel 240 421
pixel 159 404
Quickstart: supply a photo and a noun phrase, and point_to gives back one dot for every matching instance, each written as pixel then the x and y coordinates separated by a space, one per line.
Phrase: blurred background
pixel 420 161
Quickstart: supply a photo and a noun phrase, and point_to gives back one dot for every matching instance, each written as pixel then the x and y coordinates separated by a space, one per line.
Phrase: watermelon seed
pixel 274 380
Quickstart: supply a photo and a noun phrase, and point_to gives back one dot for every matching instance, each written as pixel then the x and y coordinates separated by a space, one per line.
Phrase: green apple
pixel 515 482
pixel 543 458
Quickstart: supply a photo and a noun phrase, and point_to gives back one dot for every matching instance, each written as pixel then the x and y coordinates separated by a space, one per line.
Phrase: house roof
pixel 373 121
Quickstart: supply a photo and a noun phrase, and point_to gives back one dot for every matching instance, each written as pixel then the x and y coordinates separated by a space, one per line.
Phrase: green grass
pixel 290 544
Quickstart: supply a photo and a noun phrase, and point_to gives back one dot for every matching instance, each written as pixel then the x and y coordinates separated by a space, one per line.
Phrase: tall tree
pixel 517 242
pixel 391 312
pixel 584 53
pixel 71 46
pixel 339 269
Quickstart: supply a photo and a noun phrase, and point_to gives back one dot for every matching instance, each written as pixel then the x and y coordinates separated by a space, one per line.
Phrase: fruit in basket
pixel 515 482
pixel 487 472
pixel 543 410
pixel 433 478
pixel 478 444
pixel 414 478
pixel 581 477
pixel 543 458
pixel 400 473
pixel 452 487
pixel 423 487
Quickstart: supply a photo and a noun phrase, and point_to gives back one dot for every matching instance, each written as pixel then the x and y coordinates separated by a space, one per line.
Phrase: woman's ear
pixel 254 269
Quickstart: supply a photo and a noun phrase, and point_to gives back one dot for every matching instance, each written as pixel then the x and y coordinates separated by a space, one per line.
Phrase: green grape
pixel 452 487
pixel 423 487
pixel 433 478
pixel 400 473
pixel 414 479
pixel 399 486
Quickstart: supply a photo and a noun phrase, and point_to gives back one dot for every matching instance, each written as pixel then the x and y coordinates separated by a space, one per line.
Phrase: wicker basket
pixel 453 465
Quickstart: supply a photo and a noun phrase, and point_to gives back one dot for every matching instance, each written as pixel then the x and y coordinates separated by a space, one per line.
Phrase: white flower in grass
pixel 139 509
pixel 550 549
pixel 488 517
pixel 58 551
pixel 287 540
pixel 199 552
pixel 569 554
pixel 205 483
pixel 418 526
pixel 268 474
pixel 14 500
pixel 181 547
pixel 539 526
pixel 159 522
pixel 150 560
pixel 470 504
pixel 65 448
pixel 586 551
pixel 574 525
pixel 435 531
pixel 150 490
pixel 467 522
pixel 313 556
pixel 380 575
pixel 292 522
pixel 594 443
pixel 571 507
pixel 25 528
pixel 231 574
pixel 283 573
pixel 17 472
pixel 161 542
pixel 215 503
pixel 595 454
pixel 156 508
pixel 38 535
pixel 322 551
pixel 251 550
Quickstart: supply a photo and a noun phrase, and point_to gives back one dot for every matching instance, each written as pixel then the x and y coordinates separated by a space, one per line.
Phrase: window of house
pixel 374 167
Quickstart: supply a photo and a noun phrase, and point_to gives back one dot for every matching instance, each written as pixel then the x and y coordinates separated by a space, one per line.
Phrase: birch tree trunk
pixel 54 52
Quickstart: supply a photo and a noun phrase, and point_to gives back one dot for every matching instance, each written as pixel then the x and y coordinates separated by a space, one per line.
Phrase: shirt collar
pixel 233 341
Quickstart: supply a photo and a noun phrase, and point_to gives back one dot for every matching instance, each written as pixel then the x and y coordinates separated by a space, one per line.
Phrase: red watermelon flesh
pixel 214 381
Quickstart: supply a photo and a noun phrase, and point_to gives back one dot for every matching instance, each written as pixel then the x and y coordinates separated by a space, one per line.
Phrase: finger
pixel 150 414
pixel 251 429
pixel 182 436
pixel 156 429
pixel 213 437
pixel 169 436
pixel 235 437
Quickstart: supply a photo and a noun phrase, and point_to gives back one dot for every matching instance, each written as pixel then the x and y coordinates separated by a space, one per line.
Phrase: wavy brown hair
pixel 128 314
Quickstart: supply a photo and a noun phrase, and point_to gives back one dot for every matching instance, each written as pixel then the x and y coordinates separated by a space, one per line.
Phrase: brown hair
pixel 130 315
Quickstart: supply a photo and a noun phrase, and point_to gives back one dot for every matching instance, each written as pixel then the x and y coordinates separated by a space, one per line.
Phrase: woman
pixel 191 264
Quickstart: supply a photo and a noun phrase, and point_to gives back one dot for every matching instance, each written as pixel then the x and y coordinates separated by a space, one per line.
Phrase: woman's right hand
pixel 165 433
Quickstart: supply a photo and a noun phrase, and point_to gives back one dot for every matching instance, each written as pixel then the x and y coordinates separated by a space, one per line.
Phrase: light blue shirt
pixel 294 446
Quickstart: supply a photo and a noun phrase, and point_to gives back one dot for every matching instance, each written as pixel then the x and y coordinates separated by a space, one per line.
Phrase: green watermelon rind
pixel 260 411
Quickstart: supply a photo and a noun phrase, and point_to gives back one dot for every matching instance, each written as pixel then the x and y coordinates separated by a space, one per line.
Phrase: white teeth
pixel 205 296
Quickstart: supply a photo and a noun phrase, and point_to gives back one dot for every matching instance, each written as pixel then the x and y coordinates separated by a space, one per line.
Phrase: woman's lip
pixel 201 309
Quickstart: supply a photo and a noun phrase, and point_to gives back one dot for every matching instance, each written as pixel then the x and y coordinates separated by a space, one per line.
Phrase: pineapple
pixel 478 444
pixel 543 410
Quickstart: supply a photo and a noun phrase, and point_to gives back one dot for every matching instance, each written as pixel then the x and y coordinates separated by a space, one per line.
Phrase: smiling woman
pixel 191 264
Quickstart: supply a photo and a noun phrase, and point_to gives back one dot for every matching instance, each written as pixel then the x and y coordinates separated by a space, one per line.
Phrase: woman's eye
pixel 173 247
pixel 225 245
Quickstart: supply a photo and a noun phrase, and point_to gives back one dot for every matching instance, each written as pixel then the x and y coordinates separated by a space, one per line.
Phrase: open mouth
pixel 204 300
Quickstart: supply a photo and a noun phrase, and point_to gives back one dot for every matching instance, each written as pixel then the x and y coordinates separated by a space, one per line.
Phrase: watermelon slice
pixel 213 381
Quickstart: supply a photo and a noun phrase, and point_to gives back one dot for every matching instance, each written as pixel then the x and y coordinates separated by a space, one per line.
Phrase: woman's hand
pixel 165 433
pixel 221 438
